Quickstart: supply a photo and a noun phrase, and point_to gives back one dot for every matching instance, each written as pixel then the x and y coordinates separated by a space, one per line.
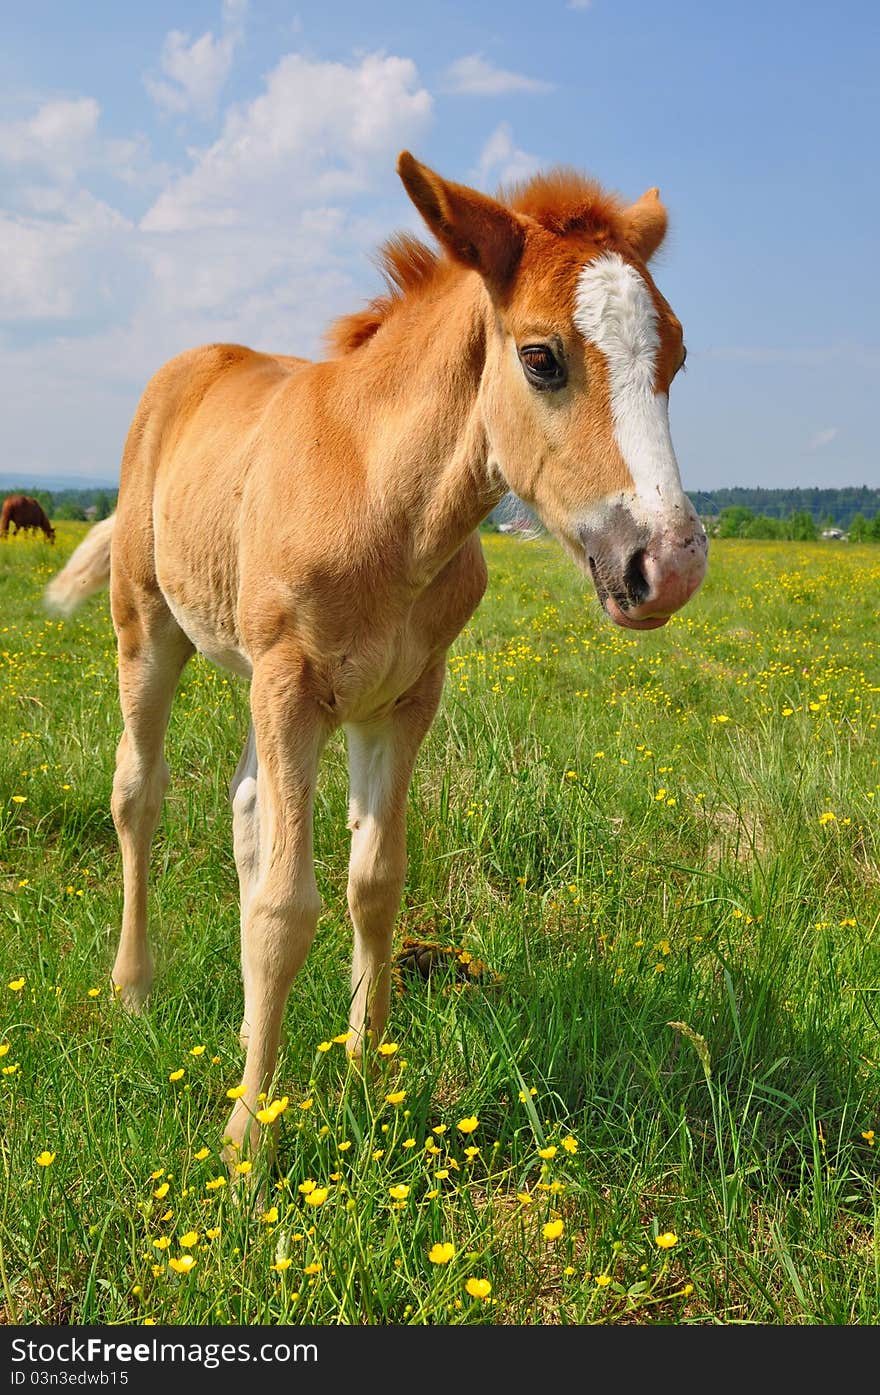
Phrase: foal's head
pixel 575 388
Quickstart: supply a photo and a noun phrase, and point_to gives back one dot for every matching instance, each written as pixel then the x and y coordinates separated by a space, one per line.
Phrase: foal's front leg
pixel 381 756
pixel 280 919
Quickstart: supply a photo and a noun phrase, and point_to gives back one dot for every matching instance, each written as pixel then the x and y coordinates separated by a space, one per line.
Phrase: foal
pixel 311 526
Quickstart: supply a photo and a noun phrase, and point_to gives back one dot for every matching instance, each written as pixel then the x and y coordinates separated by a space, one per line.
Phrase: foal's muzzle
pixel 643 573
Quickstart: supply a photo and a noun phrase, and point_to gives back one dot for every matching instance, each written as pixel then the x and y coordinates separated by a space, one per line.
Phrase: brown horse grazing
pixel 25 515
pixel 312 526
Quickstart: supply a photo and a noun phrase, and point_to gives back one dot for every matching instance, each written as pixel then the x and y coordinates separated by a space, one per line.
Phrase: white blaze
pixel 614 311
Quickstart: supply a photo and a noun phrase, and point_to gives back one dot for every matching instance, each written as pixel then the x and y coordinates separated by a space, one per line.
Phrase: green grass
pixel 664 849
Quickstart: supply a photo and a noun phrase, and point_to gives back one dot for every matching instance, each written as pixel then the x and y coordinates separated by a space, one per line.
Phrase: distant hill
pixel 838 505
pixel 16 484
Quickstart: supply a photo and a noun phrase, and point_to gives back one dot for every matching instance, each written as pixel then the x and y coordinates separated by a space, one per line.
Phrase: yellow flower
pixel 522 1094
pixel 215 1183
pixel 408 1143
pixel 441 1253
pixel 471 1153
pixel 182 1265
pixel 342 1038
pixel 549 1152
pixel 19 799
pixel 344 1146
pixel 324 1046
pixel 603 1280
pixel 94 992
pixel 45 1159
pixel 397 1097
pixel 666 1240
pixel 197 1051
pixel 17 984
pixel 827 817
pixel 243 1168
pixel 553 1229
pixel 191 1238
pixel 202 1154
pixel 280 1265
pixel 271 1216
pixel 387 1048
pixel 176 1075
pixel 313 1268
pixel 442 1173
pixel 317 1196
pixel 307 1186
pixel 270 1112
pixel 400 1192
pixel 868 1136
pixel 524 1199
pixel 4 1047
pixel 478 1288
pixel 570 1144
pixel 235 1092
pixel 213 1232
pixel 162 1243
pixel 467 1125
pixel 161 1191
pixel 439 1129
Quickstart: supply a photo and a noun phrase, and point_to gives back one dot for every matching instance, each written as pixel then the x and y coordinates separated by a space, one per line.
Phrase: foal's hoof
pixel 132 996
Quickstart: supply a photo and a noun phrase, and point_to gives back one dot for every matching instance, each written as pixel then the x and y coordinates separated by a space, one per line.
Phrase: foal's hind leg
pixel 152 652
pixel 381 756
pixel 246 843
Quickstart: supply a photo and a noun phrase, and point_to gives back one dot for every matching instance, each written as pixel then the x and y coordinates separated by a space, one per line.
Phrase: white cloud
pixel 58 137
pixel 315 134
pixel 195 72
pixel 822 438
pixel 580 4
pixel 502 162
pixel 474 76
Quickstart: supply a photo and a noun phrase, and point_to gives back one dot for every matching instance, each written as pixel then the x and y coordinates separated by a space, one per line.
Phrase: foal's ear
pixel 644 224
pixel 474 229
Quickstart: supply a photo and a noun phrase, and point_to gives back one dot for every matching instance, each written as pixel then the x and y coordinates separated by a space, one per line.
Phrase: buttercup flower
pixel 441 1253
pixel 182 1265
pixel 553 1229
pixel 666 1240
pixel 478 1288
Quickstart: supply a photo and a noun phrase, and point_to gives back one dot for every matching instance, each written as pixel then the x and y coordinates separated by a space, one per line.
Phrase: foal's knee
pixel 138 790
pixel 278 932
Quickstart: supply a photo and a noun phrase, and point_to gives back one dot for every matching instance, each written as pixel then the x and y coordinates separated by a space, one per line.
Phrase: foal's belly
pixel 212 640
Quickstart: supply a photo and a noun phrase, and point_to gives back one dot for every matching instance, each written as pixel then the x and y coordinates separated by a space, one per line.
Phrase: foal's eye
pixel 541 366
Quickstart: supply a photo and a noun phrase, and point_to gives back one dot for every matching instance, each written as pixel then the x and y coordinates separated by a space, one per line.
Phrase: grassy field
pixel 650 1097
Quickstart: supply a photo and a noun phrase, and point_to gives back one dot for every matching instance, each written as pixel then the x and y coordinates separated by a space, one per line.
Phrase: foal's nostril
pixel 637 586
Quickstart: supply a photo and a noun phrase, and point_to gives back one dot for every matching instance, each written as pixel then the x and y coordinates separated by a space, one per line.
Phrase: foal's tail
pixel 87 570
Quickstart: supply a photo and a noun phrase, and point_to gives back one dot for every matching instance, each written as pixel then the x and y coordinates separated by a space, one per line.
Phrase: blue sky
pixel 183 172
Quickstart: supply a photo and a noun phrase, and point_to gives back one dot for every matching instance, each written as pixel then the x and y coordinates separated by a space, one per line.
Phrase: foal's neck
pixel 424 444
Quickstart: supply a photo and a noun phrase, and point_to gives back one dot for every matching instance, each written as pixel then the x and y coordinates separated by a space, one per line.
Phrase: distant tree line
pixel 71 503
pixel 739 522
pixel 837 508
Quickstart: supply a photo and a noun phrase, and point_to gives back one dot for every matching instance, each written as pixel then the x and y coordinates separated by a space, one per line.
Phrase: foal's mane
pixel 562 201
